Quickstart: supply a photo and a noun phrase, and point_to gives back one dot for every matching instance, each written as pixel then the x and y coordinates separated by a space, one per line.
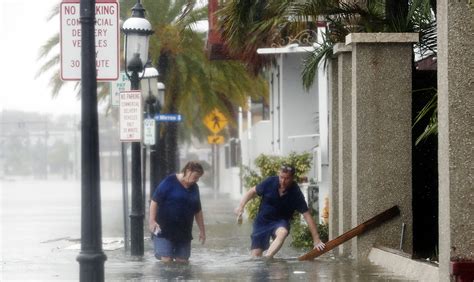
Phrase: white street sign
pixel 120 85
pixel 131 116
pixel 149 131
pixel 107 39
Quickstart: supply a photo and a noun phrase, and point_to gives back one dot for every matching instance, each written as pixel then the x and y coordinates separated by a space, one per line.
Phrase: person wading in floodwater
pixel 281 197
pixel 174 205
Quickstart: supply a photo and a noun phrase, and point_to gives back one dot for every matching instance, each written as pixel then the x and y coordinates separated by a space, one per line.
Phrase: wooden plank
pixel 361 228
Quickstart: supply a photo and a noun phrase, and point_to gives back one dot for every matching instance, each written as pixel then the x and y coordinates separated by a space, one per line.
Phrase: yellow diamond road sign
pixel 215 139
pixel 215 121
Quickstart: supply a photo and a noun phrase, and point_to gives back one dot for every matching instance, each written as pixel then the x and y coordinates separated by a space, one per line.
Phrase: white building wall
pixel 259 142
pixel 299 108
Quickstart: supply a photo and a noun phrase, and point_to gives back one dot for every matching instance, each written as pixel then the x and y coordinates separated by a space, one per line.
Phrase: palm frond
pixel 423 21
pixel 55 83
pixel 192 18
pixel 47 47
pixel 249 25
pixel 431 108
pixel 430 130
pixel 53 13
pixel 311 64
pixel 49 64
pixel 186 10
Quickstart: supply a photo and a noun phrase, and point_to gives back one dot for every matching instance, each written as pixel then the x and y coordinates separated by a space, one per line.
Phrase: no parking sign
pixel 107 39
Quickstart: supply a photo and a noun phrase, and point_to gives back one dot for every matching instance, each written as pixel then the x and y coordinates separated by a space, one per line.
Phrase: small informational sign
pixel 131 115
pixel 168 117
pixel 120 85
pixel 107 39
pixel 215 139
pixel 149 131
pixel 215 121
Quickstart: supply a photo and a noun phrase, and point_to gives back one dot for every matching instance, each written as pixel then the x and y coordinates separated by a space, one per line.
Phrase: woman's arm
pixel 200 222
pixel 152 224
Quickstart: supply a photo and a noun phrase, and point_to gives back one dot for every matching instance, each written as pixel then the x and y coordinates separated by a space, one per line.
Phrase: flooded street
pixel 40 230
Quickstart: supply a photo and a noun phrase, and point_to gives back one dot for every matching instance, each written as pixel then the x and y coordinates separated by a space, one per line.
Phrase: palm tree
pixel 194 85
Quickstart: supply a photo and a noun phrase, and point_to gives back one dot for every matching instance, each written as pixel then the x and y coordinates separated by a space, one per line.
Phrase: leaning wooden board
pixel 361 228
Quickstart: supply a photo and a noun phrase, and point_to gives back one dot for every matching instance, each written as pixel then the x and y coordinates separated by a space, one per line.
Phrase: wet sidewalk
pixel 40 227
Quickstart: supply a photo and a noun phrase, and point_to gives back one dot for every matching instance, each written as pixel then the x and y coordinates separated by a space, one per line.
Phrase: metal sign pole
pixel 125 196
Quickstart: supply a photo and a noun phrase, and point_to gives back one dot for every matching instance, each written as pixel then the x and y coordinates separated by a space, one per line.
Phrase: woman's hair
pixel 193 167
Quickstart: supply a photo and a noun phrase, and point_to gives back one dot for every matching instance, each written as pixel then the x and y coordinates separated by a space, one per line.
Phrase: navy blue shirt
pixel 176 208
pixel 275 207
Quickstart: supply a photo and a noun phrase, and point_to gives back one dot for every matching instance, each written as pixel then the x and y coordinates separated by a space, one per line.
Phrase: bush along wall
pixel 269 166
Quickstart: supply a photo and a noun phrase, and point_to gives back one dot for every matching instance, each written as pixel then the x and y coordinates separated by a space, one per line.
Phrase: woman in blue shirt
pixel 175 204
pixel 281 197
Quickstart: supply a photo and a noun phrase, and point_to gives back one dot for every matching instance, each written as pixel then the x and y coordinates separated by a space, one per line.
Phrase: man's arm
pixel 317 243
pixel 200 223
pixel 251 193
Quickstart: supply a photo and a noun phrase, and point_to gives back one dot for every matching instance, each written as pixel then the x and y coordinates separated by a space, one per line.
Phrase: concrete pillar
pixel 344 56
pixel 456 137
pixel 381 136
pixel 333 149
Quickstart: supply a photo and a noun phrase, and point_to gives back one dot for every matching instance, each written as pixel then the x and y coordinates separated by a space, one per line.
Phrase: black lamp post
pixel 91 257
pixel 137 31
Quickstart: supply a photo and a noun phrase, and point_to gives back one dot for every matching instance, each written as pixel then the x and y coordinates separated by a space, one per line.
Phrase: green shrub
pixel 269 166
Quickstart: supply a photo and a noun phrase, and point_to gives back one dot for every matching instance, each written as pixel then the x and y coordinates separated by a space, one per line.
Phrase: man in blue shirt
pixel 280 198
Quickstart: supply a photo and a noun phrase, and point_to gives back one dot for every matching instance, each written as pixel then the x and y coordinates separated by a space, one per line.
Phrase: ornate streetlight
pixel 150 89
pixel 149 92
pixel 137 31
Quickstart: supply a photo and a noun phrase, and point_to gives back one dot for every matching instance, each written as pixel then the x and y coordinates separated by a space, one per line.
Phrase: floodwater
pixel 40 230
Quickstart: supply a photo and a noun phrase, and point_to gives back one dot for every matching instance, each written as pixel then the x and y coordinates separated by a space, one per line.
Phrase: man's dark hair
pixel 286 168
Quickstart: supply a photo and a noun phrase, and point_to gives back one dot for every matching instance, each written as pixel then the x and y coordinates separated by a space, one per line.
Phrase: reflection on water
pixel 54 212
pixel 175 271
pixel 226 257
pixel 215 265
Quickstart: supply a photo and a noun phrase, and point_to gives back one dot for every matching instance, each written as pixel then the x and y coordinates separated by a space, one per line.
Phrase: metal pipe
pixel 402 235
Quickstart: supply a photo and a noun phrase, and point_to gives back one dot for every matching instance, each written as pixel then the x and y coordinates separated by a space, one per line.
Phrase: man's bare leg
pixel 256 252
pixel 280 235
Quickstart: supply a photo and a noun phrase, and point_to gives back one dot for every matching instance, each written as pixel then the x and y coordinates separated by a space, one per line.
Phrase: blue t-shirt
pixel 274 207
pixel 176 208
